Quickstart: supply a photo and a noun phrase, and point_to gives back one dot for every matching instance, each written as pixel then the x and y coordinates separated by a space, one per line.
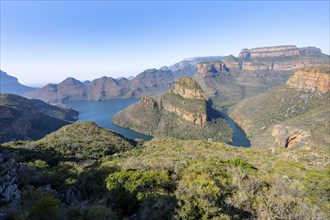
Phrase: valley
pixel 222 137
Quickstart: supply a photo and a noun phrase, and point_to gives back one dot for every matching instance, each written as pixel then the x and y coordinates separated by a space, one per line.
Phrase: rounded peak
pixel 188 82
pixel 70 80
pixel 187 88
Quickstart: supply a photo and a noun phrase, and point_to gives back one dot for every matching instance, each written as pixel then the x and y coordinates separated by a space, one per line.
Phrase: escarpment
pixel 292 115
pixel 182 112
pixel 315 79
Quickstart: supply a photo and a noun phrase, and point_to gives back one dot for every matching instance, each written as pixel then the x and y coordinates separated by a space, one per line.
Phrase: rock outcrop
pixel 278 51
pixel 315 79
pixel 182 112
pixel 289 137
pixel 13 178
pixel 24 119
pixel 187 88
pixel 212 68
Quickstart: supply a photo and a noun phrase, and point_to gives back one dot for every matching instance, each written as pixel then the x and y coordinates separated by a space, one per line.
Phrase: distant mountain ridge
pixel 225 79
pixel 149 82
pixel 10 84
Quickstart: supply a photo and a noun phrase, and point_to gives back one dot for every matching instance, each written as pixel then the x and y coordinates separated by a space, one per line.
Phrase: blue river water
pixel 101 112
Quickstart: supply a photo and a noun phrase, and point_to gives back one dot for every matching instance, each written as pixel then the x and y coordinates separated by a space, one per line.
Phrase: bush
pixel 46 207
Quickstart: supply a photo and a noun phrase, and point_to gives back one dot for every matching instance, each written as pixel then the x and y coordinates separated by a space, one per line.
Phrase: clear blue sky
pixel 51 40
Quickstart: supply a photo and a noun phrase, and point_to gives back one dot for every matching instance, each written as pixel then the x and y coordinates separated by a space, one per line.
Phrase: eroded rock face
pixel 289 137
pixel 211 69
pixel 12 177
pixel 316 79
pixel 196 118
pixel 187 88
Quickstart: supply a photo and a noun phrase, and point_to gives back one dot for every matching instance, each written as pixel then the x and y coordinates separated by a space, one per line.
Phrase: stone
pixel 290 137
pixel 315 79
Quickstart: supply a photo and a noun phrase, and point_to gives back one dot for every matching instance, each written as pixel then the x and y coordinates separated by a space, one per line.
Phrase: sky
pixel 48 41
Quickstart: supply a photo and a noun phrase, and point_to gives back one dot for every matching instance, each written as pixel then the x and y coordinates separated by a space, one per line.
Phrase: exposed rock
pixel 276 51
pixel 211 69
pixel 187 88
pixel 182 113
pixel 232 63
pixel 314 79
pixel 289 137
pixel 13 176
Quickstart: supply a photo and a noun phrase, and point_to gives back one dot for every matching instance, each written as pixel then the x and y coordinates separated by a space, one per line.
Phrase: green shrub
pixel 46 207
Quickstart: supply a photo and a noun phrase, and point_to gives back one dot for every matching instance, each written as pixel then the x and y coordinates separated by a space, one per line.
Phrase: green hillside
pixel 177 179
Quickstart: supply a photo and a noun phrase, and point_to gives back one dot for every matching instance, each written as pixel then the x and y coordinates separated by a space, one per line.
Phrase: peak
pixel 188 82
pixel 187 88
pixel 70 80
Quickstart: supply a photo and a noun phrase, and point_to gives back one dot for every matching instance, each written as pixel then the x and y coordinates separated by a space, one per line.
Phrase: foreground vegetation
pixel 167 179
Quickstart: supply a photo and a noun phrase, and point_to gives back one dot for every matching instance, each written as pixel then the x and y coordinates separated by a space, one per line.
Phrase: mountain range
pixel 226 80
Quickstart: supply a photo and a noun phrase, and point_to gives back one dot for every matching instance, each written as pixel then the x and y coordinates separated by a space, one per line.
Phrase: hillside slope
pixel 24 119
pixel 295 115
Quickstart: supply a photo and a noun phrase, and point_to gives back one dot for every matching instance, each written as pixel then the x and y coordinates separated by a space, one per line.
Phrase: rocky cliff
pixel 231 79
pixel 315 79
pixel 24 119
pixel 278 51
pixel 292 115
pixel 182 112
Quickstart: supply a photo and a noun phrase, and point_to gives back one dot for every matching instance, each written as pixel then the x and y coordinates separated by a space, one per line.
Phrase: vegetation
pixel 285 106
pixel 176 179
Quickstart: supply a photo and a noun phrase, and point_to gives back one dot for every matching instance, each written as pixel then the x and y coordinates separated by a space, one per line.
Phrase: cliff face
pixel 316 79
pixel 182 112
pixel 24 119
pixel 292 115
pixel 211 69
pixel 231 79
pixel 187 88
pixel 281 58
pixel 278 51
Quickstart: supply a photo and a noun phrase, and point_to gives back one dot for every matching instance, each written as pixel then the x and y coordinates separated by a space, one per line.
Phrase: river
pixel 101 112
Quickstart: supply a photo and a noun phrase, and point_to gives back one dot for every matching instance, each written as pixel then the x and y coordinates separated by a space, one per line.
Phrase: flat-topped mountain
pixel 24 119
pixel 292 115
pixel 232 79
pixel 182 112
pixel 279 51
pixel 10 84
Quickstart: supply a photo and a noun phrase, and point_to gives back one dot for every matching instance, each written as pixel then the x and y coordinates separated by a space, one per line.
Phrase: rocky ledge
pixel 278 51
pixel 314 79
